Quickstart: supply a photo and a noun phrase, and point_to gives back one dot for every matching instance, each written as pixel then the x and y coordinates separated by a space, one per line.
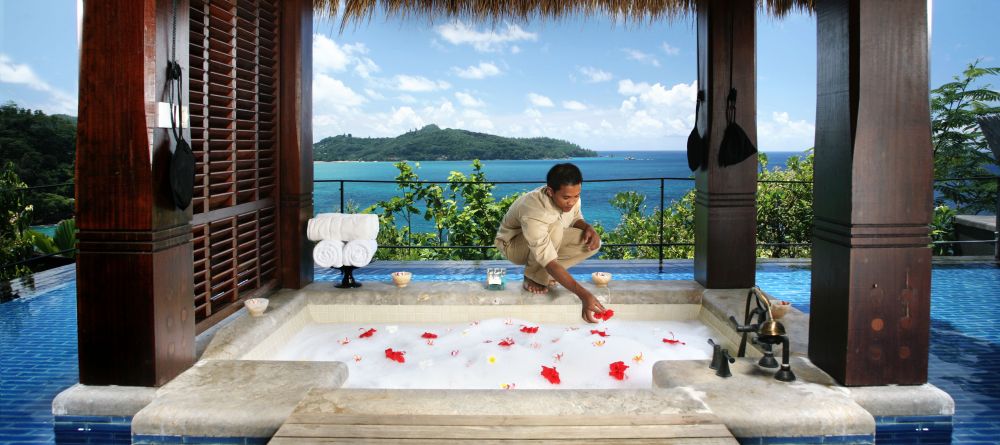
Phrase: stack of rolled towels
pixel 344 239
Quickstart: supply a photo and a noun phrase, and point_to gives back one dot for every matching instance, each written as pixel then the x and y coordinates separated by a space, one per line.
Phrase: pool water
pixel 38 346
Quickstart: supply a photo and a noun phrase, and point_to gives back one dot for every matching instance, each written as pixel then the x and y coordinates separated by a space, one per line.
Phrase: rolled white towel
pixel 359 226
pixel 359 253
pixel 325 226
pixel 329 253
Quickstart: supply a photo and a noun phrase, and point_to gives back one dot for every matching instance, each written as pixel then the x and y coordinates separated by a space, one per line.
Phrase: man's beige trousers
pixel 570 248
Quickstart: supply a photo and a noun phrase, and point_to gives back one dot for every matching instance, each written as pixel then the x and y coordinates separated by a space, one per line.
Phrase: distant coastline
pixel 432 143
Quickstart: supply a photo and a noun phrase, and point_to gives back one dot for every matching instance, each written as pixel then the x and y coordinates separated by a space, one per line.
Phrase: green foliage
pixel 65 237
pixel 464 213
pixel 784 216
pixel 42 149
pixel 42 242
pixel 960 150
pixel 784 207
pixel 943 229
pixel 635 226
pixel 16 217
pixel 435 144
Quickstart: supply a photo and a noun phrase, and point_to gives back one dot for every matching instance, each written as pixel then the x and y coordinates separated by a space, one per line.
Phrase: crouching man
pixel 544 230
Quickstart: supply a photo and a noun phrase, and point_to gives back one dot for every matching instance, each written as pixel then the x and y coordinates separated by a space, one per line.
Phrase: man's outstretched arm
pixel 589 301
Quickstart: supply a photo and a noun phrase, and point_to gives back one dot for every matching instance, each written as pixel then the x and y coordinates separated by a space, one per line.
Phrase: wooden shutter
pixel 233 84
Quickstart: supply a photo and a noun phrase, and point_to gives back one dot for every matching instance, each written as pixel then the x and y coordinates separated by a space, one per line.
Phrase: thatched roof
pixel 498 11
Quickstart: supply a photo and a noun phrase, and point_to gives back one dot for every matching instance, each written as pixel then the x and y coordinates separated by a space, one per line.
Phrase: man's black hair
pixel 563 174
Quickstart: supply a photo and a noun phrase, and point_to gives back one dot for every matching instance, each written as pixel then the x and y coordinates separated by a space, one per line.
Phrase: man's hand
pixel 590 237
pixel 590 306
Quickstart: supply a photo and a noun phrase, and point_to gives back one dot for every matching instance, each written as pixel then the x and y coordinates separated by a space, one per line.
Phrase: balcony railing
pixel 660 245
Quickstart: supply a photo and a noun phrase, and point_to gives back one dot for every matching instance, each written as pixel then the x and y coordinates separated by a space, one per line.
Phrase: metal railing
pixel 661 180
pixel 660 245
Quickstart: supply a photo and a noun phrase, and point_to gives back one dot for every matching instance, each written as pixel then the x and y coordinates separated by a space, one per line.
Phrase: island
pixel 432 143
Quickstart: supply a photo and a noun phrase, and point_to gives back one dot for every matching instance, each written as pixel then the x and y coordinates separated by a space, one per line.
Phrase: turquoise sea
pixel 595 195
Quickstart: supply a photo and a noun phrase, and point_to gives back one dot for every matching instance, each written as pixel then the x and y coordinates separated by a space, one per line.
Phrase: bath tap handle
pixel 739 328
pixel 723 370
pixel 716 354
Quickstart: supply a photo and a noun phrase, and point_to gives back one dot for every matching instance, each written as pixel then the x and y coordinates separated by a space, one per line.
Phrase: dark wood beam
pixel 870 309
pixel 725 213
pixel 295 143
pixel 134 268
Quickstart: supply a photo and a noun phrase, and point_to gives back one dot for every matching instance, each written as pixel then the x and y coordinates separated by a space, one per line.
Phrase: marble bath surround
pixel 235 393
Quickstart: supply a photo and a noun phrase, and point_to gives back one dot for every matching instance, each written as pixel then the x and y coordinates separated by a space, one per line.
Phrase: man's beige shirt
pixel 534 216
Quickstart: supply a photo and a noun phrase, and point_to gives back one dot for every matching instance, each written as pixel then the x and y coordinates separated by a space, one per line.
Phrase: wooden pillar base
pixel 136 325
pixel 880 286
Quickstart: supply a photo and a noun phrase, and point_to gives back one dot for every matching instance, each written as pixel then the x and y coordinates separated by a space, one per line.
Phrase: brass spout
pixel 770 330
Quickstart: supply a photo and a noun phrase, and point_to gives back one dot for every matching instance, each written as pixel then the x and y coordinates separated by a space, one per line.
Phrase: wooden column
pixel 134 268
pixel 725 213
pixel 295 142
pixel 870 309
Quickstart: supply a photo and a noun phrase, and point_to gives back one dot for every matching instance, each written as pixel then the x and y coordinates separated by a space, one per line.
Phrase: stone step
pixel 483 416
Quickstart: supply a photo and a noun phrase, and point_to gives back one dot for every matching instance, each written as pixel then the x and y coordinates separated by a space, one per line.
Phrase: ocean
pixel 596 195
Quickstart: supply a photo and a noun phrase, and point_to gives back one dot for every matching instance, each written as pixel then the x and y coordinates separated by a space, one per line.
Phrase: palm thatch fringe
pixel 521 11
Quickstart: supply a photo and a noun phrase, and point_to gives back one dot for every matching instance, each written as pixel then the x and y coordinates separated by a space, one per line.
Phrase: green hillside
pixel 431 143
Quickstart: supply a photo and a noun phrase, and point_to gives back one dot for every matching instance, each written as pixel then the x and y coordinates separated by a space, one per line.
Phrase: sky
pixel 591 81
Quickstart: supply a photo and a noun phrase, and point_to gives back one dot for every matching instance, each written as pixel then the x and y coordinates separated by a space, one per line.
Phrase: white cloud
pixel 670 50
pixel 328 55
pixel 22 74
pixel 458 33
pixel 515 50
pixel 331 57
pixel 595 75
pixel 405 117
pixel 540 101
pixel 573 105
pixel 467 100
pixel 678 95
pixel 406 99
pixel 639 56
pixel 783 133
pixel 533 113
pixel 419 84
pixel 330 92
pixel 481 71
pixel 374 94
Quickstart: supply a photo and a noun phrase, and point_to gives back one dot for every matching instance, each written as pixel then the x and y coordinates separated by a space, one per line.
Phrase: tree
pixel 960 150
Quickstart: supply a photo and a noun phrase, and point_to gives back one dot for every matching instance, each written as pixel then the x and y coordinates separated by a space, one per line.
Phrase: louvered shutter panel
pixel 233 83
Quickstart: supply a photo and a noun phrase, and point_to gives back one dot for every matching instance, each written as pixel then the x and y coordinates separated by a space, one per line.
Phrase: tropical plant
pixel 960 150
pixel 943 229
pixel 15 246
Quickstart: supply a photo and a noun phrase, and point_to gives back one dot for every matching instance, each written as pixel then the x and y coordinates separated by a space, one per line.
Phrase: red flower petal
pixel 618 370
pixel 673 340
pixel 551 375
pixel 601 333
pixel 367 333
pixel 529 329
pixel 396 356
pixel 606 315
pixel 428 335
pixel 507 342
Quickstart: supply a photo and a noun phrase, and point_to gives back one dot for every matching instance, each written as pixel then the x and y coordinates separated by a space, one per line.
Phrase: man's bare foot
pixel 534 287
pixel 553 283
